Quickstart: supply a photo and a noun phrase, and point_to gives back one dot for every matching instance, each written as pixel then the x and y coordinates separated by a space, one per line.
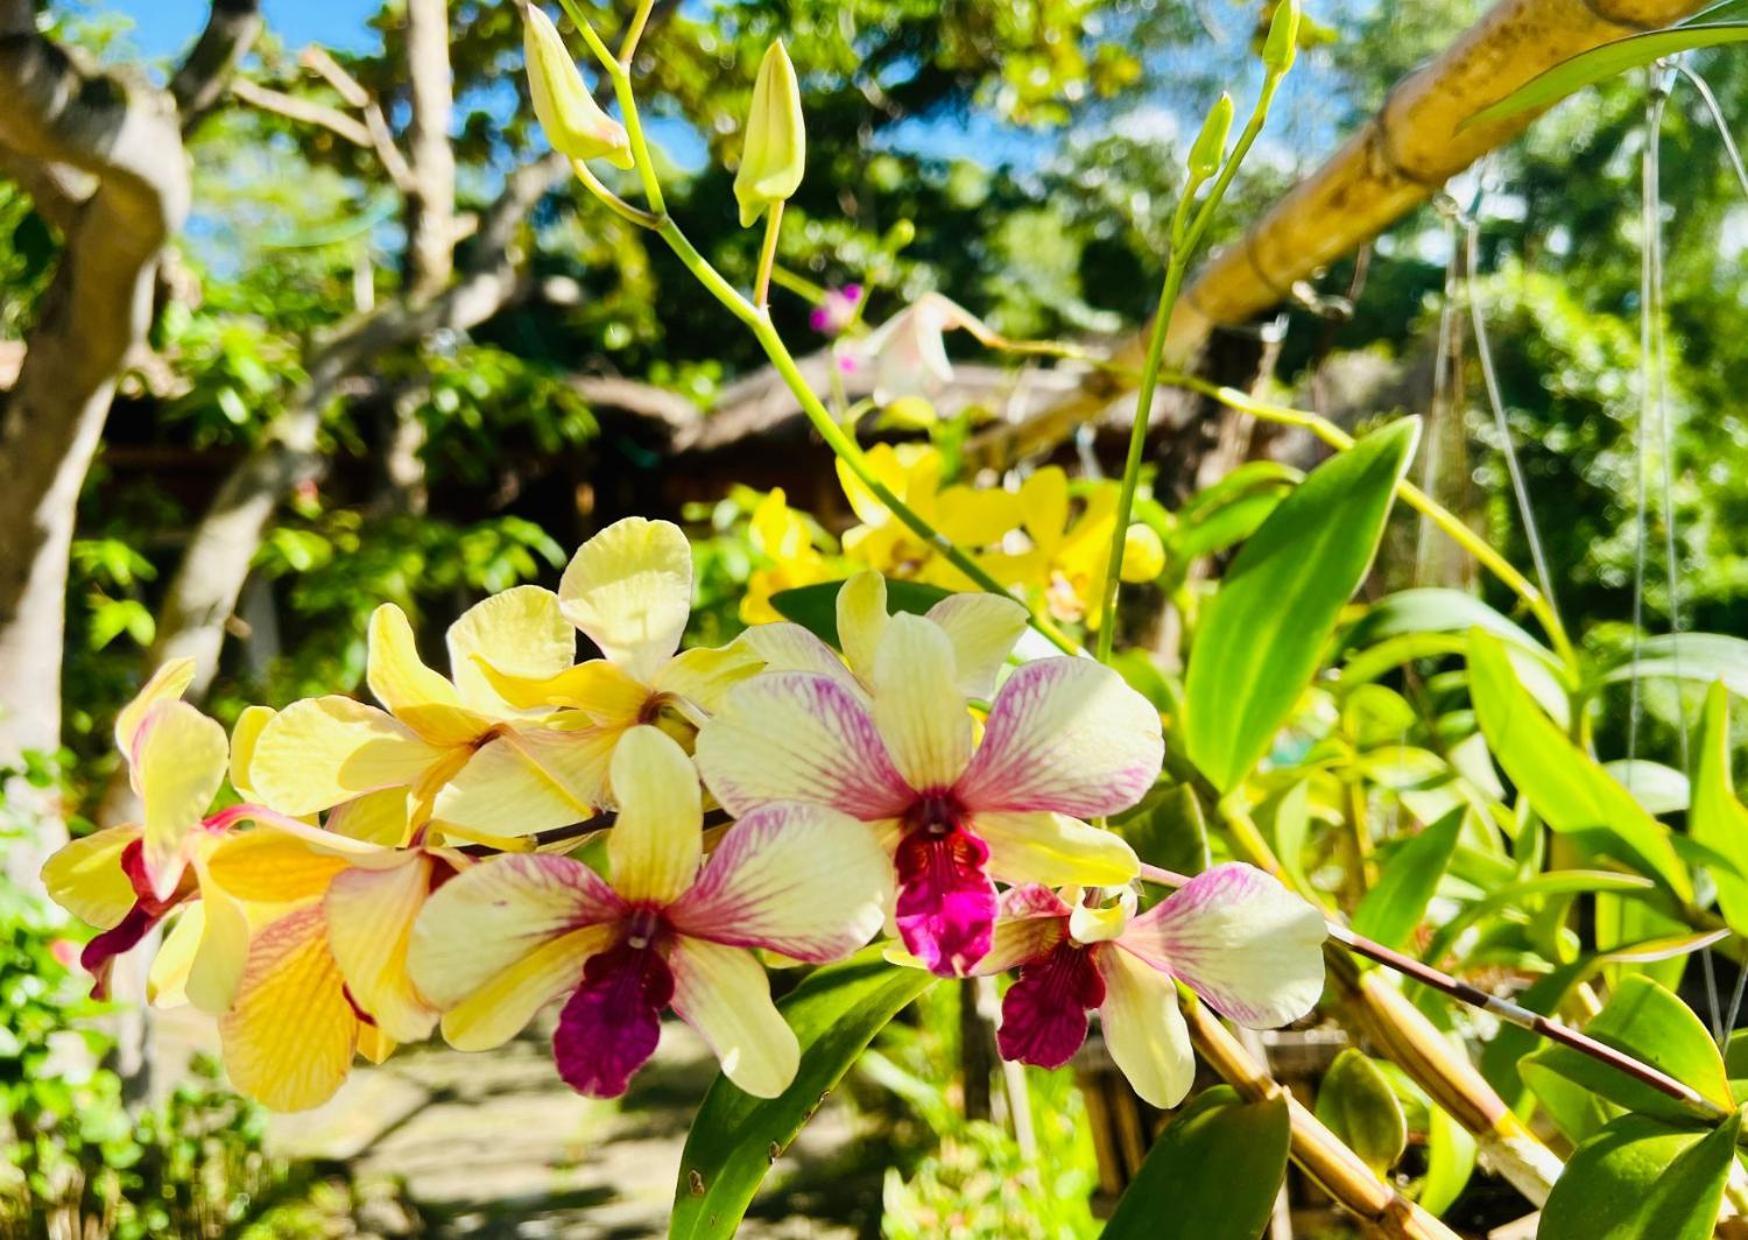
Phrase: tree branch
pixel 431 196
pixel 199 84
pixel 304 111
pixel 381 137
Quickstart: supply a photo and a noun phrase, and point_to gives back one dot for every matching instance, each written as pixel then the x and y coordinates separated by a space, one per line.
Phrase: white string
pixel 1439 408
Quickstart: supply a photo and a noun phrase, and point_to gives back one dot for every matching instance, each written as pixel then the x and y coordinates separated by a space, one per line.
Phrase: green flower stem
pixel 613 202
pixel 1176 265
pixel 634 32
pixel 768 254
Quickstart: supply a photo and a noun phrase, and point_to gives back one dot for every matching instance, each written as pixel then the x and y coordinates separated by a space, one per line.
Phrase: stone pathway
pixel 494 1145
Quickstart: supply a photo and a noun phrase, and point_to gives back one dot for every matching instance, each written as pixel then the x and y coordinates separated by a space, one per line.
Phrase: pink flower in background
pixel 1235 936
pixel 837 311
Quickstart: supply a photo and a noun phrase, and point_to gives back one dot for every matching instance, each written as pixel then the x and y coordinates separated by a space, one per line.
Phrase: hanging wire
pixel 1490 380
pixel 1438 408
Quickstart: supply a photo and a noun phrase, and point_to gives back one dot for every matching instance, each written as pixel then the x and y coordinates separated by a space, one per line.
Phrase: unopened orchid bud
pixel 1210 144
pixel 775 155
pixel 574 123
pixel 1143 554
pixel 1282 44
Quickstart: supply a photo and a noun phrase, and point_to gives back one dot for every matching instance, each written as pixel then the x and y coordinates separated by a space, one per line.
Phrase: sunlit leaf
pixel 1390 911
pixel 1638 1179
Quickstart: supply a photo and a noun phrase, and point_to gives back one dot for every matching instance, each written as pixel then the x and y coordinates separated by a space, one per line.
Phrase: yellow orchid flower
pixel 781 535
pixel 973 518
pixel 323 752
pixel 1069 555
pixel 629 590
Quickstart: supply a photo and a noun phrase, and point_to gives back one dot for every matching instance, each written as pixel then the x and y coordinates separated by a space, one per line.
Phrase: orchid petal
pixel 180 759
pixel 1041 847
pixel 1044 501
pixel 167 684
pixel 656 841
pixel 982 629
pixel 491 916
pixel 215 973
pixel 1030 921
pixel 723 993
pixel 701 676
pixel 977 516
pixel 244 736
pixel 167 978
pixel 520 632
pixel 862 619
pixel 521 782
pixel 609 1028
pixel 503 1006
pixel 412 692
pixel 1043 1014
pixel 629 588
pixel 605 692
pixel 792 736
pixel 1143 1028
pixel 946 906
pixel 289 1038
pixel 787 647
pixel 370 920
pixel 1241 940
pixel 321 751
pixel 917 706
pixel 1066 735
pixel 268 866
pixel 802 880
pixel 376 817
pixel 85 877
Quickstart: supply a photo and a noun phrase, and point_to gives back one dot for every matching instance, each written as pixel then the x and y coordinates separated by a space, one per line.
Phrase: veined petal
pixel 862 619
pixel 267 866
pixel 376 817
pixel 288 1039
pixel 609 1028
pixel 723 993
pixel 491 916
pixel 1043 1014
pixel 85 877
pixel 793 736
pixel 215 973
pixel 321 751
pixel 655 845
pixel 1030 920
pixel 180 759
pixel 917 706
pixel 787 647
pixel 412 692
pixel 167 684
pixel 1065 735
pixel 1055 849
pixel 243 740
pixel 605 692
pixel 982 629
pixel 520 632
pixel 629 588
pixel 370 921
pixel 701 676
pixel 1241 940
pixel 523 781
pixel 502 1008
pixel 1144 1030
pixel 946 906
pixel 803 880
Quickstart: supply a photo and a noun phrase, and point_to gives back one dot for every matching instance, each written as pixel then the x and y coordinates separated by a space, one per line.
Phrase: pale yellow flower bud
pixel 1143 554
pixel 775 154
pixel 574 124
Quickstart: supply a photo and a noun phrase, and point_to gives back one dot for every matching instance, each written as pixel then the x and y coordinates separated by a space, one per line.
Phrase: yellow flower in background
pixel 784 538
pixel 1070 554
pixel 972 518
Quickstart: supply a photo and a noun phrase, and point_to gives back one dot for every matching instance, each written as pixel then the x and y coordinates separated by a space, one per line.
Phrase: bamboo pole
pixel 1397 160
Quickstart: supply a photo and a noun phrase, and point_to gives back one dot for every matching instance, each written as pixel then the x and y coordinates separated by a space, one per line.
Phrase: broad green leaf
pixel 1435 610
pixel 1570 792
pixel 815 607
pixel 1390 911
pixel 1601 63
pixel 1660 789
pixel 1616 922
pixel 1247 479
pixel 1650 1023
pixel 1356 1103
pixel 1718 819
pixel 1638 1179
pixel 1168 829
pixel 1214 1171
pixel 735 1138
pixel 1221 528
pixel 1288 821
pixel 1261 635
pixel 1706 657
pixel 1514 894
pixel 1450 1161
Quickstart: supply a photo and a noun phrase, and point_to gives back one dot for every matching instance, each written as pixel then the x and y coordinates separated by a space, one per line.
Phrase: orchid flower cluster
pixel 381 872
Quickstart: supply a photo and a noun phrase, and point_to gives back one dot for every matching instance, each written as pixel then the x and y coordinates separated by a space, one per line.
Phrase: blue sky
pixel 162 27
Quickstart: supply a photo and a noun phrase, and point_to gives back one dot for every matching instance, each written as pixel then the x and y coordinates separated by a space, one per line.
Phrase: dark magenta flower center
pixel 1043 1014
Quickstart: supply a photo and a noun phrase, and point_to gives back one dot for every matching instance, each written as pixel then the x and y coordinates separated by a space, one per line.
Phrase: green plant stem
pixel 768 255
pixel 634 32
pixel 613 202
pixel 1176 265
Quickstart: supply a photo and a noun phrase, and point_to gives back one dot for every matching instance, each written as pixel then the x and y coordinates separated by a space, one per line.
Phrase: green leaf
pixel 1705 657
pixel 1718 819
pixel 815 608
pixel 1214 1171
pixel 1263 632
pixel 1168 829
pixel 1601 63
pixel 1514 894
pixel 1660 789
pixel 1450 1161
pixel 1571 793
pixel 736 1137
pixel 1638 1179
pixel 1653 1025
pixel 1433 610
pixel 1390 911
pixel 1356 1103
